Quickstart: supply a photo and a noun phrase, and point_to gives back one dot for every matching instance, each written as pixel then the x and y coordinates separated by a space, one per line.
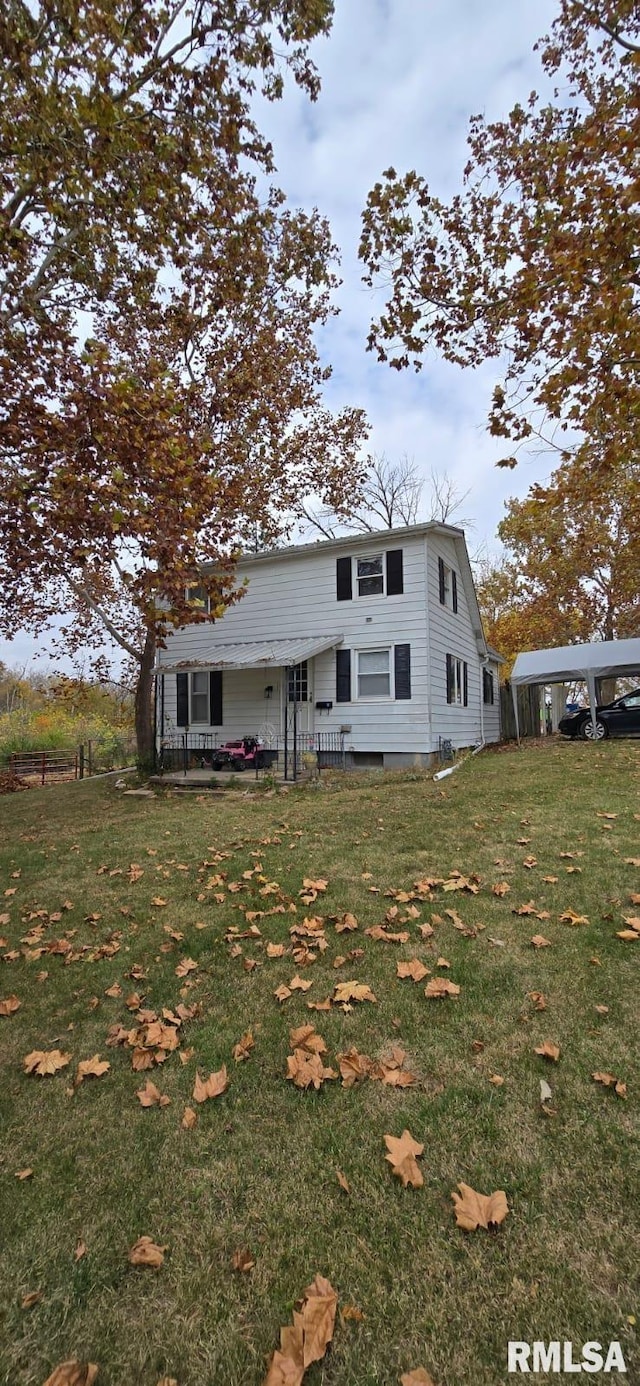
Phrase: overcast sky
pixel 400 79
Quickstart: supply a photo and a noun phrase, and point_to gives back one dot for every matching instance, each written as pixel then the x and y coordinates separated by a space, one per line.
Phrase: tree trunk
pixel 143 704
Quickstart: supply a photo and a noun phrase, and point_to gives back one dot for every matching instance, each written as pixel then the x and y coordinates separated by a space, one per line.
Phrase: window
pixel 448 585
pixel 487 687
pixel 198 597
pixel 200 698
pixel 457 681
pixel 370 576
pixel 298 690
pixel 374 680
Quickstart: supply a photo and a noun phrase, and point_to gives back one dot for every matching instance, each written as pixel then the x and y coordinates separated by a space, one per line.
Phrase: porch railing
pixel 289 756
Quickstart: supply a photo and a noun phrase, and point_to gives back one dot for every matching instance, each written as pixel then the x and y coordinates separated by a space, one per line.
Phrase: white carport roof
pixel 255 654
pixel 600 659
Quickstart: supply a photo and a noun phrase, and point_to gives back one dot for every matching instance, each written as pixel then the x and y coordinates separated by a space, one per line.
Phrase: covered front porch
pixel 246 706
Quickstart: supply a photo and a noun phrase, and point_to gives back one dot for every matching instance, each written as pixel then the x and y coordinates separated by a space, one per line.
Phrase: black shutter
pixel 395 585
pixel 465 684
pixel 441 583
pixel 182 700
pixel 215 698
pixel 487 686
pixel 449 678
pixel 343 676
pixel 343 579
pixel 402 670
pixel 454 590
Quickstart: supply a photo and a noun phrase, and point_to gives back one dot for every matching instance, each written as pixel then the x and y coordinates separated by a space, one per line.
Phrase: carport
pixel 599 660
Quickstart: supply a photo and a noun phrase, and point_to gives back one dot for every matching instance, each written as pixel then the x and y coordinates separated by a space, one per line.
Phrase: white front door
pixel 297 689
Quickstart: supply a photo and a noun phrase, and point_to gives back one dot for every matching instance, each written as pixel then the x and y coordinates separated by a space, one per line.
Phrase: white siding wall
pixel 451 633
pixel 296 596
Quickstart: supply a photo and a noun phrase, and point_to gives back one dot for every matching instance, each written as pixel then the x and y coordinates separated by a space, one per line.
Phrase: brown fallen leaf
pixel 473 1210
pixel 10 1005
pixel 345 992
pixel 242 1261
pixel 418 1377
pixel 414 968
pixel 601 1010
pixel 185 967
pixel 80 1251
pixel 307 1339
pixel 609 1081
pixel 351 1313
pixel 23 1174
pixel 275 950
pixel 353 1067
pixel 497 1080
pixel 150 1096
pixel 146 1252
pixel 547 1050
pixel 213 1086
pixel 114 991
pixel 306 1037
pixel 243 1048
pixel 570 917
pixel 73 1373
pixel 539 1000
pixel 343 1181
pixel 45 1061
pixel 401 1154
pixel 298 984
pixel 282 993
pixel 539 941
pixel 28 1300
pixel 346 923
pixel 168 1380
pixel 501 888
pixel 91 1068
pixel 189 1119
pixel 307 1069
pixel 441 986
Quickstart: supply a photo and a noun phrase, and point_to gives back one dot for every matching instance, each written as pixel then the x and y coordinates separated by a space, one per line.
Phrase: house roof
pixel 600 659
pixel 255 654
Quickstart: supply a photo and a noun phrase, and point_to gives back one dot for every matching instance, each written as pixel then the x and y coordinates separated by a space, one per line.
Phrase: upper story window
pixel 198 597
pixel 448 585
pixel 370 575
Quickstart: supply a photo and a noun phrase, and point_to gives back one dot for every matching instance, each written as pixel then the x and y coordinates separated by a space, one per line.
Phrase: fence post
pixel 90 751
pixel 44 765
pixel 80 762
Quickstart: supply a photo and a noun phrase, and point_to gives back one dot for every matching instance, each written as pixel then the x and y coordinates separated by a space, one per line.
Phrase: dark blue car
pixel 620 718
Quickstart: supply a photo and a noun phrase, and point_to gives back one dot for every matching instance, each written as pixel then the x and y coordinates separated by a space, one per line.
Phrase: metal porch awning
pixel 255 654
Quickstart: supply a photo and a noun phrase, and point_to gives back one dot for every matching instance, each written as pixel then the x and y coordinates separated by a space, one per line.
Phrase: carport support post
pixel 593 701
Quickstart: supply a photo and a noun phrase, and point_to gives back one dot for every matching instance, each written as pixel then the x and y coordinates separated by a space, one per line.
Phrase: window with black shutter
pixel 454 590
pixel 343 676
pixel 465 684
pixel 487 687
pixel 441 583
pixel 457 681
pixel 449 678
pixel 402 671
pixel 343 580
pixel 395 580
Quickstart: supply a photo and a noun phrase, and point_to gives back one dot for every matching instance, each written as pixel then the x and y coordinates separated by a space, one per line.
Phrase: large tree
pixel 570 571
pixel 160 389
pixel 538 257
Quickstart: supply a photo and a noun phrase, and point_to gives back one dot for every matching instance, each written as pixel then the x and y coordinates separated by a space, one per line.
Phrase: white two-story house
pixel 375 639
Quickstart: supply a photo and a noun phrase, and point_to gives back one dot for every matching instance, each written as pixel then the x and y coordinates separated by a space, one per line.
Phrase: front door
pixel 297 716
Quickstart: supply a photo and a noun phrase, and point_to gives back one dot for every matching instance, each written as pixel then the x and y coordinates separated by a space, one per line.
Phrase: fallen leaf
pixel 44 1061
pixel 243 1048
pixel 346 923
pixel 10 1005
pixel 609 1081
pixel 501 888
pixel 351 1314
pixel 539 1000
pixel 473 1210
pixel 539 941
pixel 150 1096
pixel 91 1068
pixel 189 1119
pixel 497 1080
pixel 353 1067
pixel 73 1373
pixel 298 984
pixel 441 986
pixel 242 1261
pixel 418 1377
pixel 213 1086
pixel 306 1341
pixel 602 1010
pixel 80 1251
pixel 282 993
pixel 342 1180
pixel 185 967
pixel 275 950
pixel 547 1050
pixel 145 1252
pixel 344 992
pixel 414 969
pixel 307 1069
pixel 570 917
pixel 401 1154
pixel 33 1297
pixel 23 1174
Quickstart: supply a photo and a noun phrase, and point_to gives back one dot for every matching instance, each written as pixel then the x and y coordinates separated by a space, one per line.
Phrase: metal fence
pixel 40 766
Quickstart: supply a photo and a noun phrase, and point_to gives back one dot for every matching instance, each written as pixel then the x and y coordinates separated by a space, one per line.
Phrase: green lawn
pixel 258 1170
